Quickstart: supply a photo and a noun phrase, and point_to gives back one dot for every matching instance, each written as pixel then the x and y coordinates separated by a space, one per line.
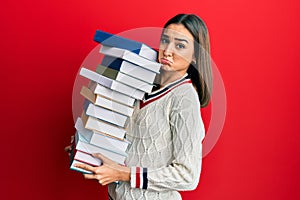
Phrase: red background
pixel 255 45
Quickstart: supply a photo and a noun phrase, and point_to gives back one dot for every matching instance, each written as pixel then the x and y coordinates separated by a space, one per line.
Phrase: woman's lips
pixel 165 61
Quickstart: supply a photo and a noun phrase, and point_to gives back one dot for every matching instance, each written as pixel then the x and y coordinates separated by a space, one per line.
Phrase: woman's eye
pixel 164 41
pixel 180 46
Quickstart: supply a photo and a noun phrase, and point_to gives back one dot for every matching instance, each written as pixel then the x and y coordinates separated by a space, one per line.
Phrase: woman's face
pixel 176 50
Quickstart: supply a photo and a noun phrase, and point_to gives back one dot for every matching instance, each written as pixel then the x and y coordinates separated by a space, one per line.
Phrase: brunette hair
pixel 200 71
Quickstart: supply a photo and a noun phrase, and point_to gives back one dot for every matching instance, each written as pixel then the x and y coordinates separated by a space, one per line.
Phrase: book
pixel 82 145
pixel 74 162
pixel 103 127
pixel 124 78
pixel 82 158
pixel 139 48
pixel 87 158
pixel 111 94
pixel 101 140
pixel 106 114
pixel 129 68
pixel 102 101
pixel 112 84
pixel 131 57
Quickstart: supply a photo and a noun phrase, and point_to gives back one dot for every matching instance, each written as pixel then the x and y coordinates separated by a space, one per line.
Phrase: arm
pixel 184 171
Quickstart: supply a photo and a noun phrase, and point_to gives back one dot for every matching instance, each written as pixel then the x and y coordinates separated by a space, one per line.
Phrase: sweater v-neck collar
pixel 150 97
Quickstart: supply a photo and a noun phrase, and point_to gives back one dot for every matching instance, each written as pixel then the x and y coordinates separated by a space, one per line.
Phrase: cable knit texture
pixel 166 137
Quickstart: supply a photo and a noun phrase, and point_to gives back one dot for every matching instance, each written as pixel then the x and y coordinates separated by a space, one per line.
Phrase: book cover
pixel 124 78
pixel 102 101
pixel 131 57
pixel 101 140
pixel 112 84
pixel 129 68
pixel 113 40
pixel 103 127
pixel 111 94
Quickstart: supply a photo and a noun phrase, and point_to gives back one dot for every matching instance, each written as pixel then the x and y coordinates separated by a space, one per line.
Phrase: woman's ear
pixel 194 59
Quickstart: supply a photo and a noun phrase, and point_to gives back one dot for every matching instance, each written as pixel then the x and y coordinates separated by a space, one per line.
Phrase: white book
pixel 87 158
pixel 101 140
pixel 129 68
pixel 111 94
pixel 107 115
pixel 124 78
pixel 103 127
pixel 102 101
pixel 83 146
pixel 112 84
pixel 131 57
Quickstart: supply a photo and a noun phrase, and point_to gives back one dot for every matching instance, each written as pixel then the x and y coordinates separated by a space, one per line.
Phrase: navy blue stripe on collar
pixel 156 93
pixel 160 94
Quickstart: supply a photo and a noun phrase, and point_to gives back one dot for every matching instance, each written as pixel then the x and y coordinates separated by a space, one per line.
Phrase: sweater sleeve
pixel 183 172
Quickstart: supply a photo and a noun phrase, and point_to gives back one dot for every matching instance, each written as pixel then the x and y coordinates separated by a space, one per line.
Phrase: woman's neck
pixel 167 77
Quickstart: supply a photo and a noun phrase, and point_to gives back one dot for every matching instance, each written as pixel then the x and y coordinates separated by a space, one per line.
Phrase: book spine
pixel 112 84
pixel 107 72
pixel 102 127
pixel 114 106
pixel 129 68
pixel 91 149
pixel 95 77
pixel 128 90
pixel 124 78
pixel 131 57
pixel 107 115
pixel 112 62
pixel 112 94
pixel 87 158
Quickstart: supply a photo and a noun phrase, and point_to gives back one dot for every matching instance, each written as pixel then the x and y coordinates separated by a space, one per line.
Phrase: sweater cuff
pixel 139 177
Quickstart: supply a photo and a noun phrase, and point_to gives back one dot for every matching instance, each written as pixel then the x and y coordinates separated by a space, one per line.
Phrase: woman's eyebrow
pixel 165 36
pixel 181 40
pixel 178 39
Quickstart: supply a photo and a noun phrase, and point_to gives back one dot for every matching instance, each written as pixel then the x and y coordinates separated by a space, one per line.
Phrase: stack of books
pixel 126 73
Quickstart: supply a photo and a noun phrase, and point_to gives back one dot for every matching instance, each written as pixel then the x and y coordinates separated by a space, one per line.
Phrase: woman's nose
pixel 168 50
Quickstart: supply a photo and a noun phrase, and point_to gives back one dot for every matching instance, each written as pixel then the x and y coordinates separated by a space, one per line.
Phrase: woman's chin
pixel 166 68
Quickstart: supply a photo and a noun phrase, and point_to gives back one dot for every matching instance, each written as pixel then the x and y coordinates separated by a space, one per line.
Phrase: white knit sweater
pixel 165 151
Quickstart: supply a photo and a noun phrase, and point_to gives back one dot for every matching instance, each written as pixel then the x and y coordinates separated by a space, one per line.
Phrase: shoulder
pixel 185 95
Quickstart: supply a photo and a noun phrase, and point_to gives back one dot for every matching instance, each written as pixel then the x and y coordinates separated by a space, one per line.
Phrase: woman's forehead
pixel 178 31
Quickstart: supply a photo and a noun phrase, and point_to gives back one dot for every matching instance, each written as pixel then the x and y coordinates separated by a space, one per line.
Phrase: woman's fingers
pixel 104 159
pixel 68 148
pixel 105 181
pixel 89 176
pixel 105 174
pixel 72 139
pixel 86 167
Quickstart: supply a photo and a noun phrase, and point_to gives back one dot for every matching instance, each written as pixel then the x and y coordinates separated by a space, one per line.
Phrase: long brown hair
pixel 200 72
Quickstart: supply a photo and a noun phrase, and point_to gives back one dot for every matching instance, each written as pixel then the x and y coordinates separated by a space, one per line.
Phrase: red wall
pixel 255 45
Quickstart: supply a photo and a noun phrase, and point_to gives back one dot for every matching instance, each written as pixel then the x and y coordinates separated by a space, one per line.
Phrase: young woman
pixel 166 130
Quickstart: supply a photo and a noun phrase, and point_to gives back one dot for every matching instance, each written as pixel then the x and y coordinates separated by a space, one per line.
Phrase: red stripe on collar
pixel 144 103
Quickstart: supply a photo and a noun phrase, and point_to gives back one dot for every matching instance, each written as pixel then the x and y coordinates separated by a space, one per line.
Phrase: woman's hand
pixel 108 172
pixel 69 147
